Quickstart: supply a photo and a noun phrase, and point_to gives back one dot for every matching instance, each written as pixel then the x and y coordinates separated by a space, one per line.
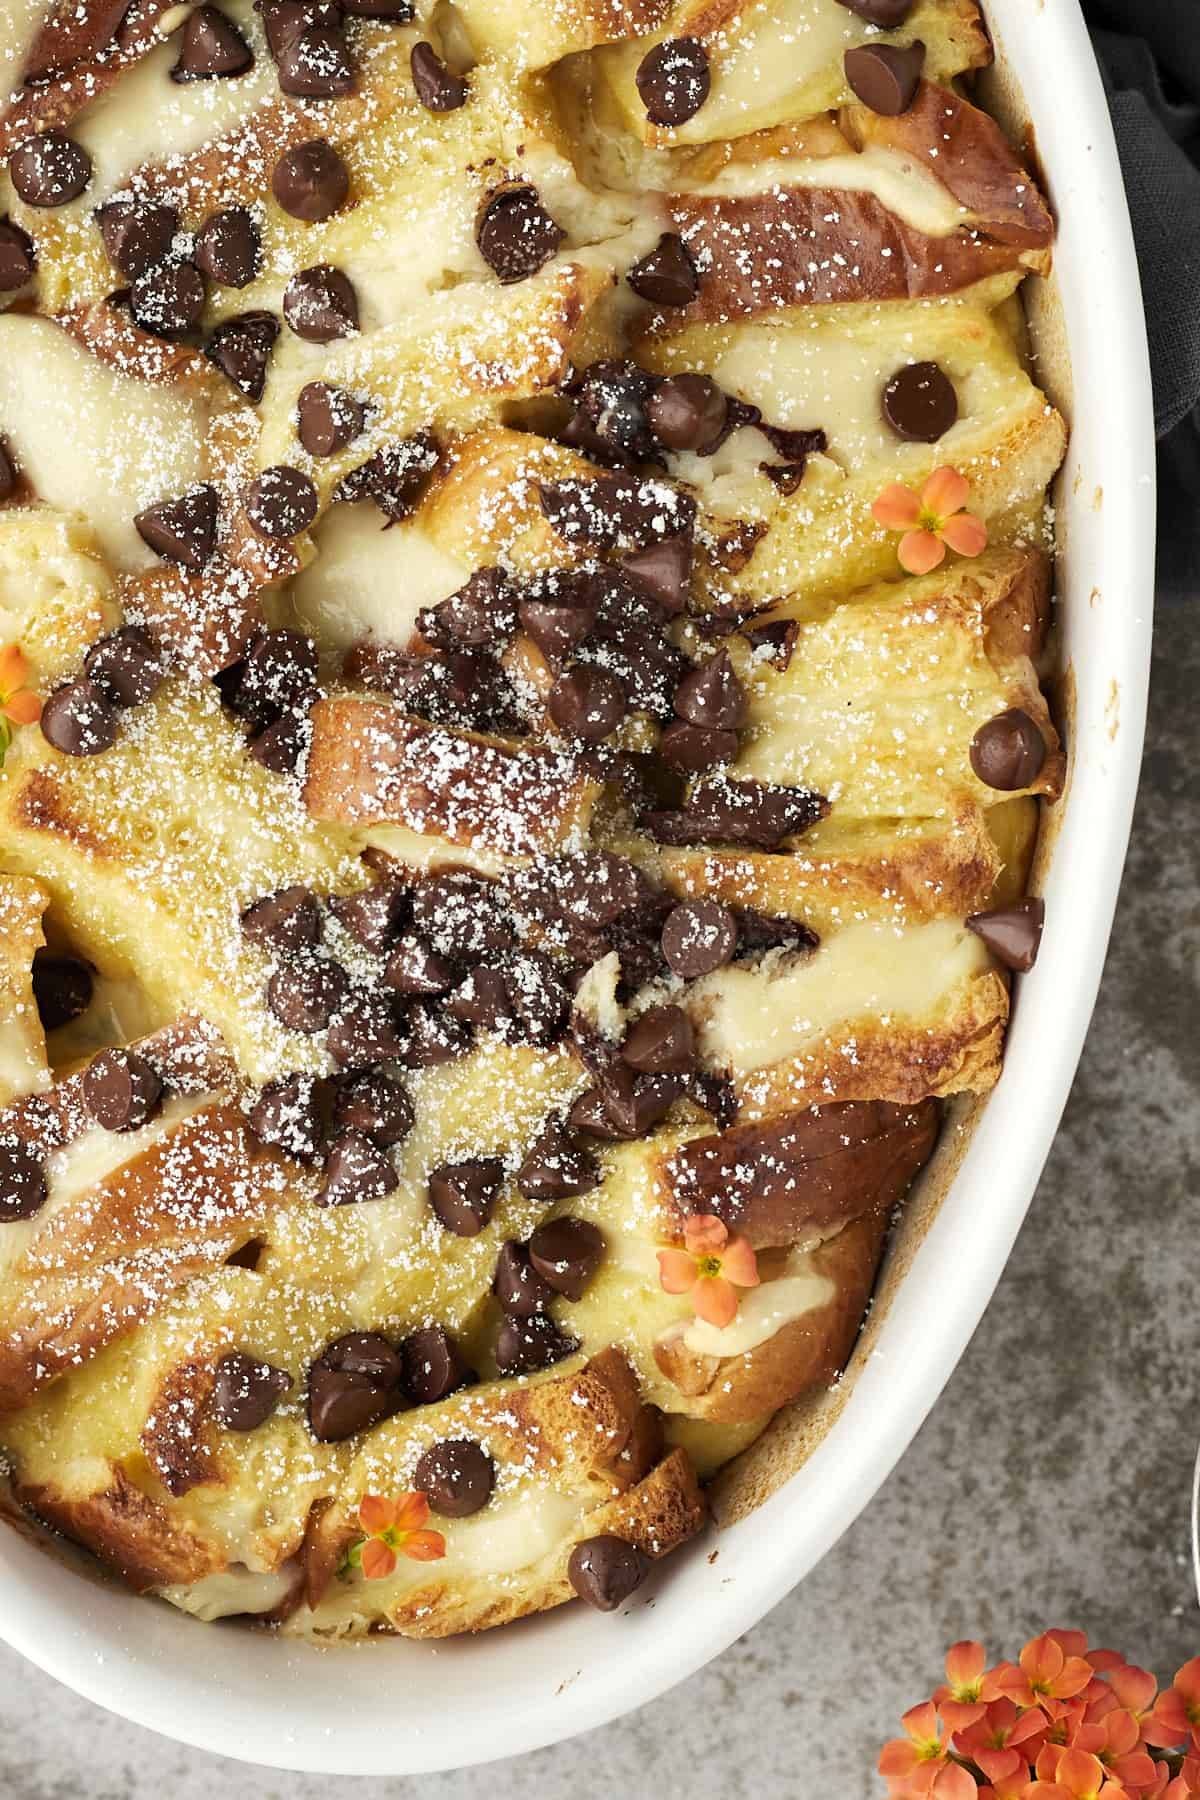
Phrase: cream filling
pixel 899 183
pixel 92 440
pixel 21 21
pixel 371 582
pixel 749 1018
pixel 232 1590
pixel 762 1311
pixel 146 118
pixel 22 1048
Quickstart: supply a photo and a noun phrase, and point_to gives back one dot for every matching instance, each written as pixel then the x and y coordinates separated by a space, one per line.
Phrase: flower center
pixel 708 1265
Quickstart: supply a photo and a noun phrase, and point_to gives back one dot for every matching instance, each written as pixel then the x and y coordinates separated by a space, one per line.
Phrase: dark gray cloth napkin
pixel 1149 53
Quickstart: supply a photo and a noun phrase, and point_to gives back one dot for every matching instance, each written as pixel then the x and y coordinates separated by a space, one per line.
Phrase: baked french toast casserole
pixel 523 576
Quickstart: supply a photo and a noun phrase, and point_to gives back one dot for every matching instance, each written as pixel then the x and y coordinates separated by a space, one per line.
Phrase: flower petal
pixel 897 1759
pixel 378 1560
pixel 715 1300
pixel 920 1722
pixel 676 1271
pixel 920 552
pixel 968 535
pixel 945 492
pixel 897 508
pixel 14 668
pixel 424 1546
pixel 705 1234
pixel 964 1663
pixel 23 707
pixel 376 1512
pixel 739 1263
pixel 412 1511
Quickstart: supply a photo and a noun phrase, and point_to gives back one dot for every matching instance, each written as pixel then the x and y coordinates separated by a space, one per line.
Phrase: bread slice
pixel 23 1066
pixel 772 60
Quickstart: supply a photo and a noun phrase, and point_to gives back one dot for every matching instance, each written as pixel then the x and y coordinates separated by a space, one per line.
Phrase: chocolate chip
pixel 17 257
pixel 62 988
pixel 461 914
pixel 623 1106
pixel 482 611
pixel 758 814
pixel 183 530
pixel 356 1170
pixel 1007 752
pixel 284 922
pixel 759 932
pixel 919 403
pixel 664 572
pixel 228 247
pixel 526 1345
pixel 121 1090
pixel 483 999
pixel 282 746
pixel 50 169
pixel 352 1386
pixel 394 478
pixel 311 181
pixel 432 1366
pixel 456 1477
pixel 279 671
pixel 667 275
pixel 556 1167
pixel 79 720
pixel 517 1285
pixel 328 418
pixel 287 1114
pixel 587 702
pixel 609 422
pixel 885 77
pixel 439 89
pixel 566 1253
pixel 125 666
pixel 8 473
pixel 210 48
pixel 1013 934
pixel 516 235
pixel 673 80
pixel 698 937
pixel 413 968
pixel 246 1391
pixel 241 349
pixel 601 513
pixel 285 21
pixel 281 502
pixel 137 234
pixel 606 1570
pixel 557 628
pixel 537 997
pixel 463 1194
pixel 712 696
pixel 689 749
pixel 168 300
pixel 394 12
pixel 887 14
pixel 376 1105
pixel 23 1190
pixel 364 1032
pixel 317 65
pixel 433 1038
pixel 688 412
pixel 373 916
pixel 592 888
pixel 661 1042
pixel 304 996
pixel 320 304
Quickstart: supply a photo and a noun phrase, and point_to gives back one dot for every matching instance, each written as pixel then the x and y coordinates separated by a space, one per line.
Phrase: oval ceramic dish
pixel 283 1703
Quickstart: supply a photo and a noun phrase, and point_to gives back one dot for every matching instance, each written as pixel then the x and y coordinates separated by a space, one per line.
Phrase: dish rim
pixel 123 1654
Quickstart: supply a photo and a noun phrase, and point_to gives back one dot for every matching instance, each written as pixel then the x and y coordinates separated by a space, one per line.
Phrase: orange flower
pixel 1001 1729
pixel 393 1527
pixel 1008 1776
pixel 1073 1775
pixel 930 520
pixel 1116 1739
pixel 959 1698
pixel 920 1762
pixel 1046 1671
pixel 711 1267
pixel 1176 1715
pixel 17 703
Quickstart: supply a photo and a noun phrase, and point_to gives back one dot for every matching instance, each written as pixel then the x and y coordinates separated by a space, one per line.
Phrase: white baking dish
pixel 420 1707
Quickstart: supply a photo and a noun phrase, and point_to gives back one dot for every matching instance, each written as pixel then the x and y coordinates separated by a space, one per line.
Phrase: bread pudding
pixel 523 576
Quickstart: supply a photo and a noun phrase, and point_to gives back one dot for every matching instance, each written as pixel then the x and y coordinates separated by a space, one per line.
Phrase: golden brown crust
pixel 126 1529
pixel 806 1352
pixel 22 1041
pixel 173 1435
pixel 372 763
pixel 804 1174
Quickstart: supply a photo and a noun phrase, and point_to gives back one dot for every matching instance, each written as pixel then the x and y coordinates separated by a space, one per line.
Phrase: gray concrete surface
pixel 1049 1486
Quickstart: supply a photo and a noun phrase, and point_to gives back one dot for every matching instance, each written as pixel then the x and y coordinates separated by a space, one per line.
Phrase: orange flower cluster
pixel 1065 1722
pixel 17 703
